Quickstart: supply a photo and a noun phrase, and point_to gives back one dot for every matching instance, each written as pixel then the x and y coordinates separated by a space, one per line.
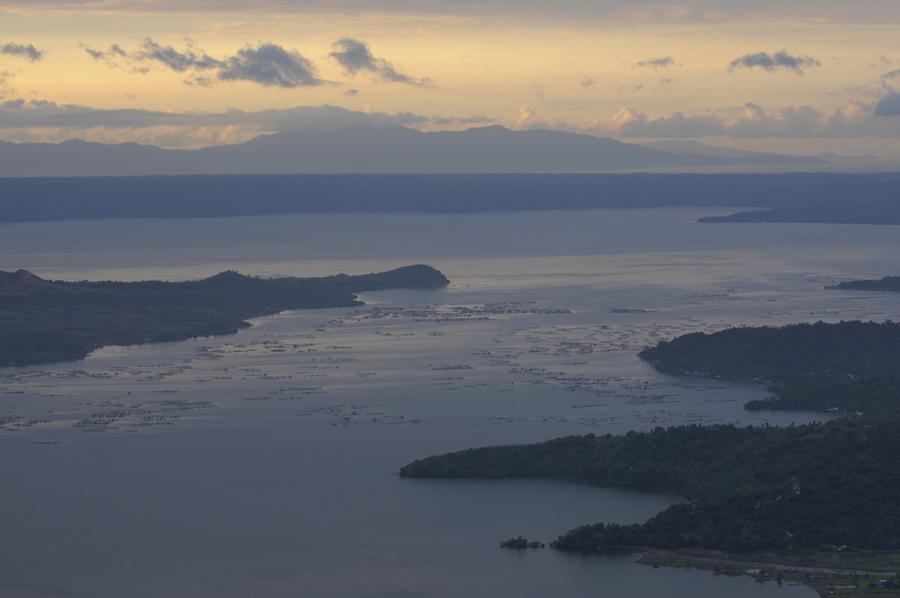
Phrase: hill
pixel 747 489
pixel 44 321
pixel 848 366
pixel 801 488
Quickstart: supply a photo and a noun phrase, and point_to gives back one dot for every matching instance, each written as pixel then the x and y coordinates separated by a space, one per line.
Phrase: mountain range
pixel 385 150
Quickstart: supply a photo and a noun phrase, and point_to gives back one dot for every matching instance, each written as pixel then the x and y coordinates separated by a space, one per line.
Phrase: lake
pixel 265 463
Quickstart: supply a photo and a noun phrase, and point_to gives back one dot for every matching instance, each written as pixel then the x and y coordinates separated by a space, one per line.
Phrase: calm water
pixel 265 463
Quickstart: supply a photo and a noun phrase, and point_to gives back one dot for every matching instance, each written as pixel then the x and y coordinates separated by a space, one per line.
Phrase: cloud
pixel 894 74
pixel 628 122
pixel 752 121
pixel 527 118
pixel 172 58
pixel 889 105
pixel 356 57
pixel 781 60
pixel 663 62
pixel 6 89
pixel 588 82
pixel 715 11
pixel 24 120
pixel 267 64
pixel 270 65
pixel 109 56
pixel 22 51
pixel 634 88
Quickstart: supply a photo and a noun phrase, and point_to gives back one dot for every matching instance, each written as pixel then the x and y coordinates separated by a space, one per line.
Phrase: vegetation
pixel 845 573
pixel 521 543
pixel 816 488
pixel 849 367
pixel 748 489
pixel 45 321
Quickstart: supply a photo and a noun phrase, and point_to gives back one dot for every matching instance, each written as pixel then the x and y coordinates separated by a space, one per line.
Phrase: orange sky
pixel 603 67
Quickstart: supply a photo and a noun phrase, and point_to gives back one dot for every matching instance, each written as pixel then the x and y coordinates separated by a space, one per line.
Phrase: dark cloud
pixel 270 65
pixel 689 11
pixel 351 93
pixel 95 54
pixel 111 56
pixel 663 62
pixel 889 105
pixel 894 74
pixel 779 61
pixel 178 61
pixel 22 51
pixel 356 57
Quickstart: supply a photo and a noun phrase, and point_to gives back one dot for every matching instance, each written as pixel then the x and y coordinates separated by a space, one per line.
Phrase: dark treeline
pixel 44 321
pixel 888 283
pixel 848 366
pixel 847 197
pixel 749 489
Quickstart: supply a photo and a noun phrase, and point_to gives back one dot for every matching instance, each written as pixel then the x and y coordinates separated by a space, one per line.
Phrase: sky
pixel 803 76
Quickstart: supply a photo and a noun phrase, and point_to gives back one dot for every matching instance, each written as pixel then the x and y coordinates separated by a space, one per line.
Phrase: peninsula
pixel 795 496
pixel 848 367
pixel 43 321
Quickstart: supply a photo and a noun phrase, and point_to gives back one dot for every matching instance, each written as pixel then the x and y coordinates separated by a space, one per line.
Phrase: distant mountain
pixel 746 156
pixel 370 150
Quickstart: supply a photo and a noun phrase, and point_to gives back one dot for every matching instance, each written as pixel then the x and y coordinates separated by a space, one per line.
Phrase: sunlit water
pixel 264 463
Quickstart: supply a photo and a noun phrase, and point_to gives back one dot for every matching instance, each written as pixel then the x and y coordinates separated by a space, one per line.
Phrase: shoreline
pixel 840 577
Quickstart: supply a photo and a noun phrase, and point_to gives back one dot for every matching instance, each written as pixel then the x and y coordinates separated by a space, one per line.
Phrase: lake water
pixel 264 463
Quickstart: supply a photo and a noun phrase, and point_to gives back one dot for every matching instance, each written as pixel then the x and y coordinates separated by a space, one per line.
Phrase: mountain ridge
pixel 375 150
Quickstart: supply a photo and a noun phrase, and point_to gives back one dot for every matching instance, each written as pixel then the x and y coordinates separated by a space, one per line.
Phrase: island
pixel 819 498
pixel 44 321
pixel 888 283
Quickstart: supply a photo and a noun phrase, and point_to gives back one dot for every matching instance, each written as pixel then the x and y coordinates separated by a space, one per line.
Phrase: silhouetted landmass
pixel 748 489
pixel 806 197
pixel 849 366
pixel 521 543
pixel 45 321
pixel 377 150
pixel 888 283
pixel 868 212
pixel 811 487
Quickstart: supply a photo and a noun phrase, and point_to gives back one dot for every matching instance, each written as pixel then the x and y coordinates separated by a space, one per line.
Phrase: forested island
pixel 44 321
pixel 888 283
pixel 813 489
